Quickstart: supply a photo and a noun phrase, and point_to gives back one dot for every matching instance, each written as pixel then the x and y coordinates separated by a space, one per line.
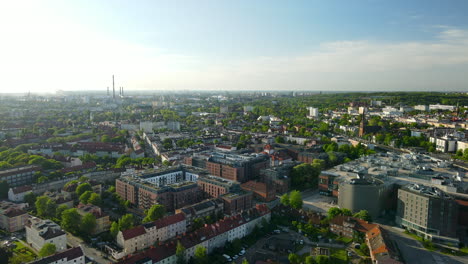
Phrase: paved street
pixel 413 252
pixel 91 253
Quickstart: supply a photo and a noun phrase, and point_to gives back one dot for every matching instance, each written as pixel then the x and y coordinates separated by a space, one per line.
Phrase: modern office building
pixel 429 212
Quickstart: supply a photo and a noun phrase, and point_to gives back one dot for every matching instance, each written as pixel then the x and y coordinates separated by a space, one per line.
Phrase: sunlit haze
pixel 233 45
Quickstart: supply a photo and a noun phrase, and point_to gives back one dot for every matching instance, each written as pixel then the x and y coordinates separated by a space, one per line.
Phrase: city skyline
pixel 208 45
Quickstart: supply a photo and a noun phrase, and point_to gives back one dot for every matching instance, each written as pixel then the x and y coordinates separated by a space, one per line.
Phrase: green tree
pixel 309 260
pixel 83 188
pixel 293 258
pixel 71 220
pixel 156 212
pixel 321 259
pixel 364 215
pixel 114 229
pixel 244 261
pixel 284 199
pixel 180 254
pixel 59 210
pixel 305 175
pixel 30 198
pixel 279 139
pixel 200 255
pixel 95 199
pixel 4 188
pixel 126 222
pixel 84 198
pixel 47 250
pixel 45 207
pixel 295 199
pixel 333 212
pixel 88 223
pixel 346 212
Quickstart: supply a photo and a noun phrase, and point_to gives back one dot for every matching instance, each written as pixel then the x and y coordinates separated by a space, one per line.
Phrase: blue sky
pixel 221 45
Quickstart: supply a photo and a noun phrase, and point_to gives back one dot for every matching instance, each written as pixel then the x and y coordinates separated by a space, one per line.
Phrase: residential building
pixel 381 247
pixel 19 176
pixel 102 219
pixel 260 190
pixel 40 232
pixel 236 202
pixel 17 194
pixel 13 217
pixel 174 188
pixel 147 234
pixel 210 236
pixel 73 255
pixel 346 226
pixel 211 207
pixel 236 167
pixel 213 186
pixel 429 212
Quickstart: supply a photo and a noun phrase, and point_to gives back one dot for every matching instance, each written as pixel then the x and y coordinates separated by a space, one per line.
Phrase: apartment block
pixel 40 232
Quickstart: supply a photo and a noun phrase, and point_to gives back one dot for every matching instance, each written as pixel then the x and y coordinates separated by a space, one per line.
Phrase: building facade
pixel 40 232
pixel 429 212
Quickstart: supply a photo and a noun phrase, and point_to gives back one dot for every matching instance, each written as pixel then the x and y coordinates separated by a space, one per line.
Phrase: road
pixel 413 252
pixel 89 252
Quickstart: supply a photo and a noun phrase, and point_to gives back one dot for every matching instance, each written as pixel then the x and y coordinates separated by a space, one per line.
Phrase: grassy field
pixel 23 252
pixel 339 256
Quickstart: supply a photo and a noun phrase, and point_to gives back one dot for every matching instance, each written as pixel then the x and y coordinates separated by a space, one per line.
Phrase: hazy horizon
pixel 237 46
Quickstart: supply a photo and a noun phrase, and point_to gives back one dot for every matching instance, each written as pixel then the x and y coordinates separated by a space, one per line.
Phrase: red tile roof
pixel 133 232
pixel 169 220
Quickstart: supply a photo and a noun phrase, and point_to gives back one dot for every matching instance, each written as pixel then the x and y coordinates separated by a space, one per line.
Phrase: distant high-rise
pixel 313 112
pixel 107 90
pixel 113 87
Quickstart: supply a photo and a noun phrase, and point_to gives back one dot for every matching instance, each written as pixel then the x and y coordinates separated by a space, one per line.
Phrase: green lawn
pixel 339 256
pixel 345 240
pixel 23 252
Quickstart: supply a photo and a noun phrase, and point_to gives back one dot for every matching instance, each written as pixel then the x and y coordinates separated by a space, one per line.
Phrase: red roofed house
pixel 347 225
pixel 145 235
pixel 381 247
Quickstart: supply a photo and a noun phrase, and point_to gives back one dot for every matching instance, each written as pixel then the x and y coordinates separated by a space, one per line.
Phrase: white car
pixel 242 252
pixel 235 257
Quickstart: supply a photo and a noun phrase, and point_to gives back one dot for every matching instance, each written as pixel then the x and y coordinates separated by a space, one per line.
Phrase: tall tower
pixel 113 87
pixel 362 126
pixel 107 90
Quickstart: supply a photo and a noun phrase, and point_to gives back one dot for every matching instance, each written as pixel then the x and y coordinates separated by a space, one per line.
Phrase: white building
pixel 421 107
pixel 40 232
pixel 146 126
pixel 313 112
pixel 444 144
pixel 17 194
pixel 145 235
pixel 442 107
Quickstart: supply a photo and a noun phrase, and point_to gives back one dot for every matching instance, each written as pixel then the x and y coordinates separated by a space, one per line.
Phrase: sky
pixel 352 45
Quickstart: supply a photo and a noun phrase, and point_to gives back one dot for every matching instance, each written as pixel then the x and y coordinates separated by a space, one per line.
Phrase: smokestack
pixel 113 87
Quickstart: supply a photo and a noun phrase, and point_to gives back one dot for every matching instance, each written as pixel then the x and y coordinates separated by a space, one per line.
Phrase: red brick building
pixel 260 190
pixel 237 202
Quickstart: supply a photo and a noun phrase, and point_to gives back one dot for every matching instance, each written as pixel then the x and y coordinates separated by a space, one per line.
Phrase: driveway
pixel 96 255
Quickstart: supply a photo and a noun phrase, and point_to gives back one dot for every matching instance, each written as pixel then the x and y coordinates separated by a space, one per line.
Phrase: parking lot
pixel 316 202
